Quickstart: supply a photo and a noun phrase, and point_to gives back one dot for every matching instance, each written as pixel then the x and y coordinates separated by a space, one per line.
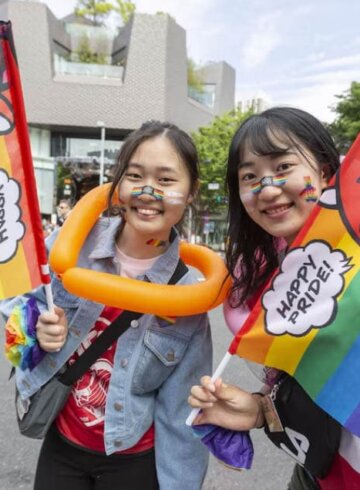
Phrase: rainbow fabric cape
pixel 307 321
pixel 22 249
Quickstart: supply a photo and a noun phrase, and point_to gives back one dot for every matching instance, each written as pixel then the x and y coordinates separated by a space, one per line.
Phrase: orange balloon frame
pixel 132 294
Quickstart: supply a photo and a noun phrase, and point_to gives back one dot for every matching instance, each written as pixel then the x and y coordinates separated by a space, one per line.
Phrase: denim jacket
pixel 154 365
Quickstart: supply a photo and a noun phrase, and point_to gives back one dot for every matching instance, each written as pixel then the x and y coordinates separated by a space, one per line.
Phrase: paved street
pixel 271 468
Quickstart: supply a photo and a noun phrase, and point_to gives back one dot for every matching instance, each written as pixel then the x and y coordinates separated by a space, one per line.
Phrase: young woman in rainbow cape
pixel 123 424
pixel 279 163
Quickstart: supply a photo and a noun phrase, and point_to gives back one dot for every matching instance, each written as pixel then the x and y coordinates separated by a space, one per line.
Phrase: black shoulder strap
pixel 112 332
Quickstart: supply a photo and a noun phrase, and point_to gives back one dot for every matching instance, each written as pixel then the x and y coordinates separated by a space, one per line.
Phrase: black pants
pixel 62 466
pixel 302 480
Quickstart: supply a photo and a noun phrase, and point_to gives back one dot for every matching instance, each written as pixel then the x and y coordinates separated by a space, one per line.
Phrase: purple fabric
pixel 38 354
pixel 32 314
pixel 32 353
pixel 234 448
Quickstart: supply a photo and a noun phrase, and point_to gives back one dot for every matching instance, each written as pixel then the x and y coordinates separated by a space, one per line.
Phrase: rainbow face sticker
pixel 268 180
pixel 148 190
pixel 156 243
pixel 173 197
pixel 309 192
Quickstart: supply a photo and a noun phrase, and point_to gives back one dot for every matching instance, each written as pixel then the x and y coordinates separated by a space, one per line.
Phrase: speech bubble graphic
pixel 12 229
pixel 304 293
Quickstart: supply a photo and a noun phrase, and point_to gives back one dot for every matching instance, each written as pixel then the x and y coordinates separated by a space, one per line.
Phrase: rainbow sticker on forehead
pixel 309 192
pixel 268 180
pixel 149 190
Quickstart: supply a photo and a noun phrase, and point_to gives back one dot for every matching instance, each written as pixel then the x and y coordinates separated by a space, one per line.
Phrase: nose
pixel 147 193
pixel 269 192
pixel 147 197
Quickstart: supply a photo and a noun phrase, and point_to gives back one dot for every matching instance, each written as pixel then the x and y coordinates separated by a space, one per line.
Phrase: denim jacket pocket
pixel 161 352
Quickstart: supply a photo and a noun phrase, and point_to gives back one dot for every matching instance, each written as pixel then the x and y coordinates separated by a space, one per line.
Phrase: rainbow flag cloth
pixel 22 251
pixel 307 321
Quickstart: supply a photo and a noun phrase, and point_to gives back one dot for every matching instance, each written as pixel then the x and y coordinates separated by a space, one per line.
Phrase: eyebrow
pixel 273 156
pixel 163 168
pixel 245 165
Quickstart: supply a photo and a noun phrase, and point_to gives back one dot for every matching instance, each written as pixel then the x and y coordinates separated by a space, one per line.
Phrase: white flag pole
pixel 218 372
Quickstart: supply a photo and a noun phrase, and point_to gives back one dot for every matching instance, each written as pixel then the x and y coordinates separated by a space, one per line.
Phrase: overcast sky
pixel 289 52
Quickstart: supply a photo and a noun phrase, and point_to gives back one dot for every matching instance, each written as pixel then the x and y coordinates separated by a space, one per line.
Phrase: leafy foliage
pixel 213 143
pixel 125 10
pixel 194 78
pixel 98 10
pixel 84 53
pixel 346 125
pixel 95 10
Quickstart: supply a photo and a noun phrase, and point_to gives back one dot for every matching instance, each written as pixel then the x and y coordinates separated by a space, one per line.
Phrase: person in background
pixel 63 210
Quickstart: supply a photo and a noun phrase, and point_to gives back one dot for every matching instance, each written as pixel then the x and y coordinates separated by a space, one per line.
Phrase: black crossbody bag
pixel 309 434
pixel 36 415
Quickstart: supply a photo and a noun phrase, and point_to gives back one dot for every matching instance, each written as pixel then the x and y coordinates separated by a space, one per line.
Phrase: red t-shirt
pixel 81 421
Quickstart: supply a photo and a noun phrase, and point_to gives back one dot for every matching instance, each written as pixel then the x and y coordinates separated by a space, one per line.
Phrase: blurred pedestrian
pixel 63 210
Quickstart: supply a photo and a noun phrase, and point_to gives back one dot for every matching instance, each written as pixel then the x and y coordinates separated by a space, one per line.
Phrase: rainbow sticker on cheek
pixel 148 190
pixel 309 192
pixel 173 197
pixel 256 188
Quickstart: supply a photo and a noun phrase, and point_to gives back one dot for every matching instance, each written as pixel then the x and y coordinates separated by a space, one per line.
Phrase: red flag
pixel 22 251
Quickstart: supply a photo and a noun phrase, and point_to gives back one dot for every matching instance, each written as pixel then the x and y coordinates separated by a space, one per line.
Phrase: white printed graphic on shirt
pixel 90 391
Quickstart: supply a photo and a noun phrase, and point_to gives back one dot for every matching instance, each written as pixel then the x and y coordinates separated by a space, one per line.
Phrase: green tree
pixel 346 125
pixel 84 53
pixel 125 9
pixel 212 143
pixel 95 10
pixel 194 78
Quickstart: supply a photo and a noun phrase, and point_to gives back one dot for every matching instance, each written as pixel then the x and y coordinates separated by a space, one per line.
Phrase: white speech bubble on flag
pixel 12 229
pixel 304 293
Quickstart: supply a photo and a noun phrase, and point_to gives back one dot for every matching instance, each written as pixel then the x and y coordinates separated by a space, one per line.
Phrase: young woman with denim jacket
pixel 123 425
pixel 270 157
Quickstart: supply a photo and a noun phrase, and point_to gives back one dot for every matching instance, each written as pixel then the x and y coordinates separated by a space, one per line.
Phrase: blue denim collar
pixel 164 266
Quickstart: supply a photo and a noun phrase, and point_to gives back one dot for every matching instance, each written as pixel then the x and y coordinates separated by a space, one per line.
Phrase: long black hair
pixel 252 253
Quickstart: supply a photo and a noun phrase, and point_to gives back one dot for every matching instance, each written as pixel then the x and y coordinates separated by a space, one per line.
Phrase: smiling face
pixel 280 203
pixel 151 215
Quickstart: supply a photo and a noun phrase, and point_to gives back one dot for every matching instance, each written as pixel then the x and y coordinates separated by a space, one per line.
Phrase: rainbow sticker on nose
pixel 268 180
pixel 148 190
pixel 309 192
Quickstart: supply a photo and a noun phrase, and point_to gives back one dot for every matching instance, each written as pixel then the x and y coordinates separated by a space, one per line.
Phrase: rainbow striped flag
pixel 22 249
pixel 307 321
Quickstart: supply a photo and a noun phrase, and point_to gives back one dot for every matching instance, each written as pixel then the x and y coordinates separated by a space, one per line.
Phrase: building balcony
pixel 65 67
pixel 205 96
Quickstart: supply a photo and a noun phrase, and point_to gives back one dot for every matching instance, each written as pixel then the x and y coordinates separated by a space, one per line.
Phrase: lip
pixel 146 212
pixel 277 211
